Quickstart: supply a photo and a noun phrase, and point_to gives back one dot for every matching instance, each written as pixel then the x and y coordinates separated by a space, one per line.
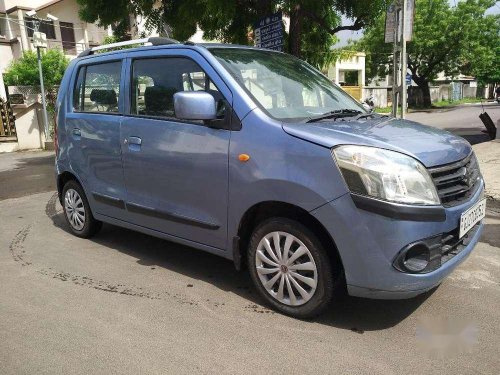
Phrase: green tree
pixel 445 39
pixel 481 58
pixel 313 23
pixel 24 71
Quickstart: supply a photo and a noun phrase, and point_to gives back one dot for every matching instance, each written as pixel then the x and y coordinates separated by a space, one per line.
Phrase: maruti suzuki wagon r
pixel 255 156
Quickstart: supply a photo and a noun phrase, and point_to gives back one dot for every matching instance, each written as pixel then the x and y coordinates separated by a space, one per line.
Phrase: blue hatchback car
pixel 255 156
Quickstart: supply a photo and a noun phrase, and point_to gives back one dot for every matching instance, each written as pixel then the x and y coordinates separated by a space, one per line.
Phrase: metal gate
pixel 7 122
pixel 456 91
pixel 354 91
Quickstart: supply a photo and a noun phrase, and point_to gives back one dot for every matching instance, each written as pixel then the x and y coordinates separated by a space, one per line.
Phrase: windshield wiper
pixel 346 112
pixel 365 115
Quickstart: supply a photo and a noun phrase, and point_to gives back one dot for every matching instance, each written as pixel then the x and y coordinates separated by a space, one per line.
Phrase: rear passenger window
pixel 155 81
pixel 97 88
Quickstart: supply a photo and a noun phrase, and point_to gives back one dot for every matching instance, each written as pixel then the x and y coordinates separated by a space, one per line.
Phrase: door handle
pixel 134 143
pixel 77 134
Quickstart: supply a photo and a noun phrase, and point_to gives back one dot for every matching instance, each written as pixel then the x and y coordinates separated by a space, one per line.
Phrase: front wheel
pixel 290 268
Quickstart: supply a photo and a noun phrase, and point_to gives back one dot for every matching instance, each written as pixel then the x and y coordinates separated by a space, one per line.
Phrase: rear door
pixel 93 131
pixel 176 172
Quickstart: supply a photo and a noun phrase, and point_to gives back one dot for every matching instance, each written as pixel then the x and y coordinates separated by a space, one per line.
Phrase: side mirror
pixel 194 105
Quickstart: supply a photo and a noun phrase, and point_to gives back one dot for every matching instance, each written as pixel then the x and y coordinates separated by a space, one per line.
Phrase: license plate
pixel 472 216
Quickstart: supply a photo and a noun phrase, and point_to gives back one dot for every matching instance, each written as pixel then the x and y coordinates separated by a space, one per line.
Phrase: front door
pixel 176 172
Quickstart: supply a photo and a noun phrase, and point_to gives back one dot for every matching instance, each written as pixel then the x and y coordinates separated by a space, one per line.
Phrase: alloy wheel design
pixel 75 210
pixel 286 268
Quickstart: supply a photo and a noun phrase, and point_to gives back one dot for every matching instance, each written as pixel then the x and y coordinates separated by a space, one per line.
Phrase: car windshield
pixel 286 87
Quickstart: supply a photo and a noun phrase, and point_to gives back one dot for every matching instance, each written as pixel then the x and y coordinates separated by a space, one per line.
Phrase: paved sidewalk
pixel 488 154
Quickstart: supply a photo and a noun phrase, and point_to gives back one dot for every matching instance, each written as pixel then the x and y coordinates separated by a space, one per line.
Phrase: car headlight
pixel 386 175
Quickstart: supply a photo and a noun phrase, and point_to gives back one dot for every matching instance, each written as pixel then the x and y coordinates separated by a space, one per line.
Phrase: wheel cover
pixel 75 210
pixel 286 268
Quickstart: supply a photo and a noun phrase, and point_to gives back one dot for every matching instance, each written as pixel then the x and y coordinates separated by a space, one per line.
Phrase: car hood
pixel 429 145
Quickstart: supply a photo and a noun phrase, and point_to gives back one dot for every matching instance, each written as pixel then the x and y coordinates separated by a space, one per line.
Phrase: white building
pixel 350 74
pixel 67 33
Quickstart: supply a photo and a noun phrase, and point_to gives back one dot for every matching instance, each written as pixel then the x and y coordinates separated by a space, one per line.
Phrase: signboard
pixel 390 21
pixel 408 79
pixel 39 40
pixel 268 32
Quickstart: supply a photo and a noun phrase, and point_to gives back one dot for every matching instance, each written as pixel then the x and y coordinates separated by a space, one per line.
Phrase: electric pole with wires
pixel 398 30
pixel 40 41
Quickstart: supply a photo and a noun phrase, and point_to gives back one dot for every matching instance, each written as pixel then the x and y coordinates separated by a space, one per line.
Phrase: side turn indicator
pixel 243 157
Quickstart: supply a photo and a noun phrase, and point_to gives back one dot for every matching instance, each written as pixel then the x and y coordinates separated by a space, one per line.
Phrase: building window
pixel 2 22
pixel 46 27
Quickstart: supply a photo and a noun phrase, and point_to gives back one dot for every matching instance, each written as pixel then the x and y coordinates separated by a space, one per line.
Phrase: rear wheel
pixel 290 268
pixel 77 211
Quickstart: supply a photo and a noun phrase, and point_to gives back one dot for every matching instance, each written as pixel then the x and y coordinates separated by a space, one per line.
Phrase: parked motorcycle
pixel 369 104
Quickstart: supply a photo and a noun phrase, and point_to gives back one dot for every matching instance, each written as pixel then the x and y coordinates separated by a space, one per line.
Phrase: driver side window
pixel 156 80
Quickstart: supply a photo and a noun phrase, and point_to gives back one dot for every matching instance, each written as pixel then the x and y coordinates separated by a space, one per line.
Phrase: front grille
pixel 456 182
pixel 451 245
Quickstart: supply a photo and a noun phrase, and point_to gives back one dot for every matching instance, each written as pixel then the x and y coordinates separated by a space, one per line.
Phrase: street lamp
pixel 40 41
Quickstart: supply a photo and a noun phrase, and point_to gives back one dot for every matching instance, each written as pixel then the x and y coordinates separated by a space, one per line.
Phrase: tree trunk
pixel 423 85
pixel 295 31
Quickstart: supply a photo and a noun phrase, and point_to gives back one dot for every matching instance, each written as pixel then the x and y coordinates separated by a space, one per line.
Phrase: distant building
pixel 350 74
pixel 68 33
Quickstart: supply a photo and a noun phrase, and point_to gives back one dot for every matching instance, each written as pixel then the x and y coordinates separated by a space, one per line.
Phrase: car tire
pixel 275 275
pixel 77 211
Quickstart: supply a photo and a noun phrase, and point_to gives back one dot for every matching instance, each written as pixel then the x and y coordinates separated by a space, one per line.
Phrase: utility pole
pixel 399 89
pixel 40 41
pixel 404 64
pixel 36 25
pixel 42 89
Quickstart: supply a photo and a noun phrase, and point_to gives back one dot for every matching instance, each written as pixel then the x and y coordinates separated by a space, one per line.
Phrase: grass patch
pixel 449 103
pixel 385 110
pixel 440 104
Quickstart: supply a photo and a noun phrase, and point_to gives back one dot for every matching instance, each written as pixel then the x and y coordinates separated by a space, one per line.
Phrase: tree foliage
pixel 24 71
pixel 313 23
pixel 450 39
pixel 481 58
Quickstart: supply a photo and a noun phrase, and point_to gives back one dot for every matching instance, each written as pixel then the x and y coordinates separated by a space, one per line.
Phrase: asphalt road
pixel 25 173
pixel 461 120
pixel 128 303
pixel 124 302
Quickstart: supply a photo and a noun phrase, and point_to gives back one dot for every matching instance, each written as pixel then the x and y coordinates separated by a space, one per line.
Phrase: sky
pixel 345 35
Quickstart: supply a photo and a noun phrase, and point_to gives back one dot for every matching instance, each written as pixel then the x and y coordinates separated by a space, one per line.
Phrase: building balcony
pixel 70 49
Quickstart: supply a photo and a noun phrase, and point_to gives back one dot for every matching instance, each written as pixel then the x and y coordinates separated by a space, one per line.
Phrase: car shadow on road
pixel 355 314
pixel 472 135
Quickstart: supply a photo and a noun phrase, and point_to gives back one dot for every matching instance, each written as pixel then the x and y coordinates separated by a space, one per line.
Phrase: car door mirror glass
pixel 194 105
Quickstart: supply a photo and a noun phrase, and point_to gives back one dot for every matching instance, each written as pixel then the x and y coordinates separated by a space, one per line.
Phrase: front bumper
pixel 368 243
